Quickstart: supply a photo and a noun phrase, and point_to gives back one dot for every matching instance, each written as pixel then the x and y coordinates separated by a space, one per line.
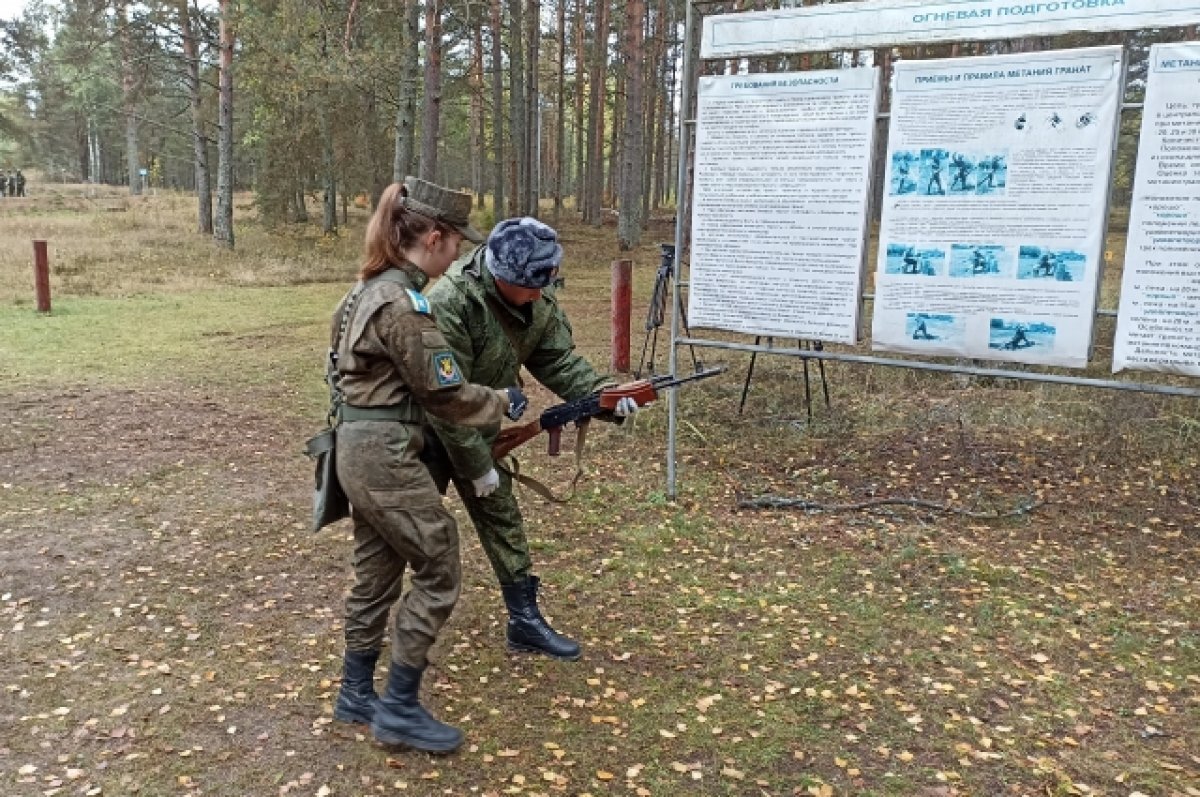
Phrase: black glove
pixel 516 403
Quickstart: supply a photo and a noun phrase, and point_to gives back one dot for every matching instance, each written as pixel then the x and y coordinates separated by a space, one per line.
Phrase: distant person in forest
pixel 20 179
pixel 3 184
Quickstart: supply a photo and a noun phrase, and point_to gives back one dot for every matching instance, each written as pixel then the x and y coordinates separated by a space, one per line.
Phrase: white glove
pixel 486 484
pixel 625 407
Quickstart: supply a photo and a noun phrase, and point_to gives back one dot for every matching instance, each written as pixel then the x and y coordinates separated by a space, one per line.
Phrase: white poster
pixel 824 27
pixel 1158 325
pixel 994 204
pixel 782 174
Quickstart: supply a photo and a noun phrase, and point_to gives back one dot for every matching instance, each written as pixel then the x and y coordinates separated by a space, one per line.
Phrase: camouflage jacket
pixel 391 351
pixel 492 340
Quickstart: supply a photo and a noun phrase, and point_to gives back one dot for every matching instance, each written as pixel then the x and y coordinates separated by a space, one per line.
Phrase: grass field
pixel 168 625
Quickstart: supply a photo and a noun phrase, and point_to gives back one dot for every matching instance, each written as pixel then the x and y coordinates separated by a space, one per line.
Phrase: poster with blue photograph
pixel 906 167
pixel 980 260
pixel 923 261
pixel 991 174
pixel 1002 227
pixel 1007 334
pixel 934 171
pixel 934 329
pixel 962 173
pixel 1042 263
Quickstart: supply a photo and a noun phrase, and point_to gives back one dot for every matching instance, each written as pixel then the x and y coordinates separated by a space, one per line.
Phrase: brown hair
pixel 393 228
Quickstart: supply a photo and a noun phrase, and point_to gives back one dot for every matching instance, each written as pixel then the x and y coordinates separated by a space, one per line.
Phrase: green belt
pixel 402 413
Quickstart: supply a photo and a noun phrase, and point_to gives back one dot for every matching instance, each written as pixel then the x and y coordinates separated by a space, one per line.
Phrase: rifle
pixel 555 418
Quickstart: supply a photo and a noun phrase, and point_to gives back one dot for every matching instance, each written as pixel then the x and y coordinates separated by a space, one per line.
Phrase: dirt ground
pixel 174 624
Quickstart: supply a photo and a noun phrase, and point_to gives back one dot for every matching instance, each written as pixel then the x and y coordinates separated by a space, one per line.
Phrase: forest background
pixel 315 106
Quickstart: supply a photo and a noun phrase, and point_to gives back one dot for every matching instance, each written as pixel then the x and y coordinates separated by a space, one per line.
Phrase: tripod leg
pixel 642 362
pixel 653 349
pixel 818 346
pixel 696 364
pixel 800 344
pixel 749 374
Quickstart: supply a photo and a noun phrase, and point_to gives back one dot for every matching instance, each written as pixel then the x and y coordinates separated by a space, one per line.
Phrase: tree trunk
pixel 652 75
pixel 223 223
pixel 406 94
pixel 379 170
pixel 129 98
pixel 191 62
pixel 629 226
pixel 299 208
pixel 580 71
pixel 518 114
pixel 497 19
pixel 663 147
pixel 478 154
pixel 560 122
pixel 595 172
pixel 533 111
pixel 431 120
pixel 614 142
pixel 95 172
pixel 329 223
pixel 83 147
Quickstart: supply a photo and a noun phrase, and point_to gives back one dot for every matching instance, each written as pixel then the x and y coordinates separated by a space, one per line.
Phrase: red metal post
pixel 622 303
pixel 41 276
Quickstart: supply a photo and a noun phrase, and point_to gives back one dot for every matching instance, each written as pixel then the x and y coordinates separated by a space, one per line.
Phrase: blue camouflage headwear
pixel 524 252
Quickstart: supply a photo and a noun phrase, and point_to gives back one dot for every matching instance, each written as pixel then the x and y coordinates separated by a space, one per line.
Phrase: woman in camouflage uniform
pixel 393 367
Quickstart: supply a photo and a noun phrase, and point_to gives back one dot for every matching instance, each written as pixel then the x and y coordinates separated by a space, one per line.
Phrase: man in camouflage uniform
pixel 394 370
pixel 497 314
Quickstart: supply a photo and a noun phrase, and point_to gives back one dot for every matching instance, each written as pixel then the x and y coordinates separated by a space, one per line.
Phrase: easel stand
pixel 804 345
pixel 656 313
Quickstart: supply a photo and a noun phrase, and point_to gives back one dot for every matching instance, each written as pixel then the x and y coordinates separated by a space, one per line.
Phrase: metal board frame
pixel 1134 15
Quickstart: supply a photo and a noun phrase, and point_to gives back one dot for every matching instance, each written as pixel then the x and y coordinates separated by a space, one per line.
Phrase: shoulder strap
pixel 332 377
pixel 512 467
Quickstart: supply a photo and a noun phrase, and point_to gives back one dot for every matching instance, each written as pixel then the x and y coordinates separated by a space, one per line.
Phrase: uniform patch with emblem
pixel 419 302
pixel 445 369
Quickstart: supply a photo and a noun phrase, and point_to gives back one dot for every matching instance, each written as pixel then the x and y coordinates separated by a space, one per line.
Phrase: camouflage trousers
pixel 399 523
pixel 496 518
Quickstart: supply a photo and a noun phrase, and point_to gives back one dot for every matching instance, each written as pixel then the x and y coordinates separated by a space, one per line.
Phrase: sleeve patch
pixel 445 370
pixel 419 302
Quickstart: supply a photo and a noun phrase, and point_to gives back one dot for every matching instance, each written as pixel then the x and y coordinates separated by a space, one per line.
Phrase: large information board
pixel 884 23
pixel 996 191
pixel 782 177
pixel 1158 325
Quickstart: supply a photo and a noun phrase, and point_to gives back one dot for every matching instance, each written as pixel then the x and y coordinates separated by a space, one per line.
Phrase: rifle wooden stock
pixel 515 436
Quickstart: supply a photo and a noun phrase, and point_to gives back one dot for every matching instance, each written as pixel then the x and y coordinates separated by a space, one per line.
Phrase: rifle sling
pixel 513 468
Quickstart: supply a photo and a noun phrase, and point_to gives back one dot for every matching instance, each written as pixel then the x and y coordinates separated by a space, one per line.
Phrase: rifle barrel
pixel 670 380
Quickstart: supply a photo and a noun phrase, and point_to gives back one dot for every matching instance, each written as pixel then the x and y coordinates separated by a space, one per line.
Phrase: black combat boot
pixel 356 700
pixel 400 719
pixel 527 629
